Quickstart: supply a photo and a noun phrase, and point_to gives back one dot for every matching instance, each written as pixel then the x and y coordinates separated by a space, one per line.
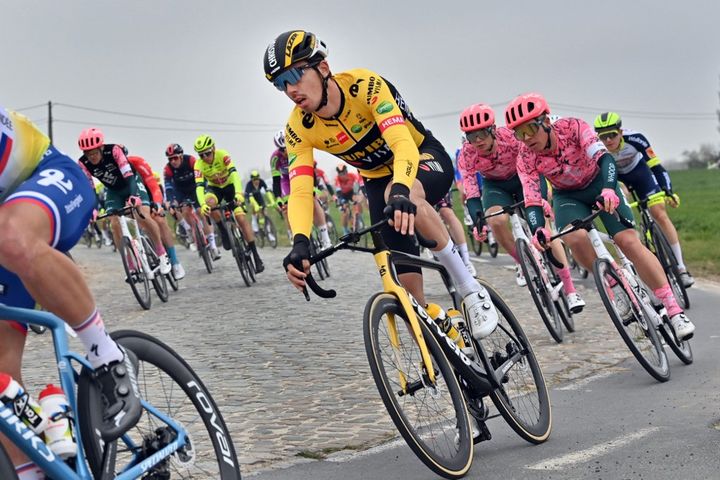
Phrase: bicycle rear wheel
pixel 493 249
pixel 432 418
pixel 522 399
pixel 248 254
pixel 538 291
pixel 139 284
pixel 637 331
pixel 332 230
pixel 170 385
pixel 682 350
pixel 669 263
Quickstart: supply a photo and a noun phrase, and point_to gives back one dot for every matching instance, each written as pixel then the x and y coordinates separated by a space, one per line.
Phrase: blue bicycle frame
pixel 34 446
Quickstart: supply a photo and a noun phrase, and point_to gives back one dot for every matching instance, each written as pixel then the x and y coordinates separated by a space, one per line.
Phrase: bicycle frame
pixel 520 230
pixel 136 243
pixel 598 240
pixel 33 446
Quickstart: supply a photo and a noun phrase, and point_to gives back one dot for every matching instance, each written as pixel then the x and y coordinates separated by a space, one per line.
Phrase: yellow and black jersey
pixel 374 131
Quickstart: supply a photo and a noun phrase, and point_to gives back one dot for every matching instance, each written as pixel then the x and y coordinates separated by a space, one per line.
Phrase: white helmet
pixel 279 139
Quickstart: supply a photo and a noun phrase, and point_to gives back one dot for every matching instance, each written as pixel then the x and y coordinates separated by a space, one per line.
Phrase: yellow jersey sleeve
pixel 391 122
pixel 301 171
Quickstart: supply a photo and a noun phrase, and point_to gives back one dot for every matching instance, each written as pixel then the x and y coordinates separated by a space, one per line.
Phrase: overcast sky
pixel 656 63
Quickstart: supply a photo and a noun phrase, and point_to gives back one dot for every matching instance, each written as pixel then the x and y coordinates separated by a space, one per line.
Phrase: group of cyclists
pixel 559 167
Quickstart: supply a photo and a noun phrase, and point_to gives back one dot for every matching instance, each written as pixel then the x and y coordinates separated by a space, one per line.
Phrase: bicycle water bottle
pixel 445 323
pixel 27 409
pixel 58 433
pixel 457 321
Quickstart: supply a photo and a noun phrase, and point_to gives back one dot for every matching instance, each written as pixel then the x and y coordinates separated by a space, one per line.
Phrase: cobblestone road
pixel 291 377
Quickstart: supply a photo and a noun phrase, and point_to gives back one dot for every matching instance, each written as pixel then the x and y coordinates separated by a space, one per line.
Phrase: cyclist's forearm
pixel 475 207
pixel 608 170
pixel 662 177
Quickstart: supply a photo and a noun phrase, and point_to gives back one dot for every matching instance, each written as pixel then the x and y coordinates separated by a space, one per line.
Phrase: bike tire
pixel 239 255
pixel 169 384
pixel 669 264
pixel 638 333
pixel 203 248
pixel 477 247
pixel 332 230
pixel 682 350
pixel 538 291
pixel 172 281
pixel 314 249
pixel 432 439
pixel 523 399
pixel 159 282
pixel 561 304
pixel 135 275
pixel 248 254
pixel 493 249
pixel 87 238
pixel 359 225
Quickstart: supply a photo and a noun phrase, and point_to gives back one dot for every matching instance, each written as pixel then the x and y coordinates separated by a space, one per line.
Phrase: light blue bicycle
pixel 181 433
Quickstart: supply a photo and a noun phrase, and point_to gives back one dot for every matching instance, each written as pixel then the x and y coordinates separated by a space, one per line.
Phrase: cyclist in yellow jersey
pixel 46 204
pixel 361 118
pixel 223 183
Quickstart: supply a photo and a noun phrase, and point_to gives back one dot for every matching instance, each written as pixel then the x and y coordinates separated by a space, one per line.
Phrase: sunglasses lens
pixel 527 130
pixel 608 136
pixel 477 135
pixel 291 76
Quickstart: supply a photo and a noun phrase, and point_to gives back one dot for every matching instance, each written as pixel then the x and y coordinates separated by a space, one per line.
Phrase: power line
pixel 153 117
pixel 31 107
pixel 172 129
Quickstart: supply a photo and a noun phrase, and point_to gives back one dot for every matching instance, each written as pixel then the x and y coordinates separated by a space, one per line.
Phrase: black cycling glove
pixel 399 199
pixel 300 251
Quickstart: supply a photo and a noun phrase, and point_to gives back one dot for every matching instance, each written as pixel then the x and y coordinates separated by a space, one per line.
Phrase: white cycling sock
pixel 450 259
pixel 324 236
pixel 211 241
pixel 462 248
pixel 678 256
pixel 185 224
pixel 101 349
pixel 29 471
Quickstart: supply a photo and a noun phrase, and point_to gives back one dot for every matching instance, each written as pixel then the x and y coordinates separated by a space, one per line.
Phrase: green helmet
pixel 204 142
pixel 607 121
pixel 254 174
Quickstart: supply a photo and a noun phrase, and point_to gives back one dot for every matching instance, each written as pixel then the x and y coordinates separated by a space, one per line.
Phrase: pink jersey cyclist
pixel 572 165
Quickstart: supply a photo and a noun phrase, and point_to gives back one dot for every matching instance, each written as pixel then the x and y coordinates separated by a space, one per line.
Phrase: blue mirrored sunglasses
pixel 291 76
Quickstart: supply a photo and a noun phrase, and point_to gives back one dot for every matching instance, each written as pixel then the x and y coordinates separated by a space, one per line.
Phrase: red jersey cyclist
pixel 361 118
pixel 346 191
pixel 46 204
pixel 570 156
pixel 493 152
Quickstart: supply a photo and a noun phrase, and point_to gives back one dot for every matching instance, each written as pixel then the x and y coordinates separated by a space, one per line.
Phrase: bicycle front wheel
pixel 158 281
pixel 636 329
pixel 522 399
pixel 170 385
pixel 203 248
pixel 239 254
pixel 134 275
pixel 669 263
pixel 538 291
pixel 431 417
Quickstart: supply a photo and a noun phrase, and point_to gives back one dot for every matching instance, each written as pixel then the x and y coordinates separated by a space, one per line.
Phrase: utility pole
pixel 50 133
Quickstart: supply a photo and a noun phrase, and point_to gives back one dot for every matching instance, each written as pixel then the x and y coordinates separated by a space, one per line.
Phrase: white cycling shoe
pixel 178 271
pixel 165 266
pixel 480 313
pixel 622 302
pixel 684 328
pixel 519 277
pixel 575 302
